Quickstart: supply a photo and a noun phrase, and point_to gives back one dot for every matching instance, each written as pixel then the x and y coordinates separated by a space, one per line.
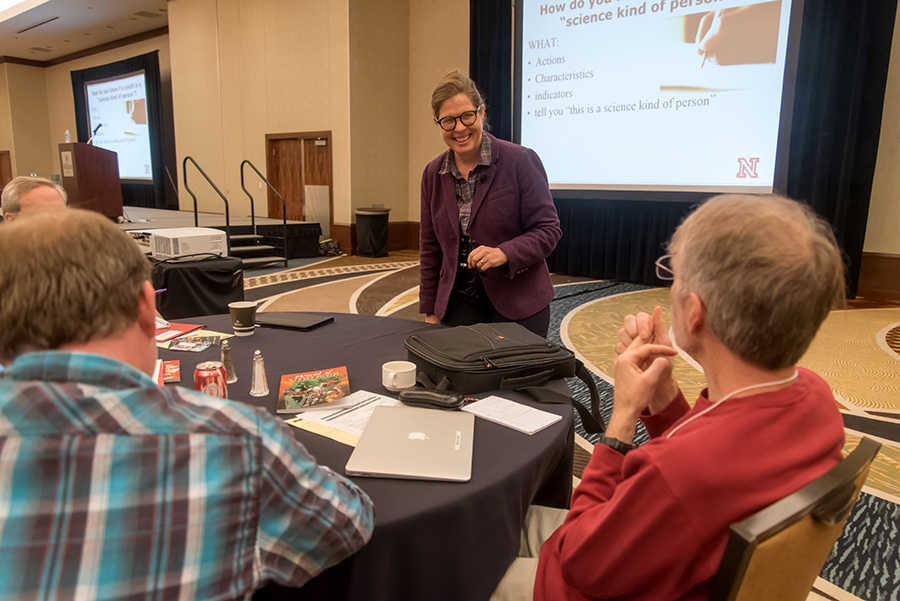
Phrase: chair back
pixel 777 553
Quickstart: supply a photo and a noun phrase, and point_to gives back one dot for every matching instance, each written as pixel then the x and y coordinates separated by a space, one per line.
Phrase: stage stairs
pixel 253 248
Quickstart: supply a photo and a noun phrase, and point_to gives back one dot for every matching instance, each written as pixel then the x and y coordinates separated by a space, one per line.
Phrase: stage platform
pixel 302 236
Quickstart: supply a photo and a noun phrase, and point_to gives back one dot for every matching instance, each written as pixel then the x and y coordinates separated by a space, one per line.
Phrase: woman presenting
pixel 487 222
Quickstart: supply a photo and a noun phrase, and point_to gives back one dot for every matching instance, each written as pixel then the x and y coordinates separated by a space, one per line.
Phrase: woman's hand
pixel 432 319
pixel 485 257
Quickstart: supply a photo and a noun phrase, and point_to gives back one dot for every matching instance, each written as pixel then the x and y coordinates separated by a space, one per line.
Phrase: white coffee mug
pixel 397 375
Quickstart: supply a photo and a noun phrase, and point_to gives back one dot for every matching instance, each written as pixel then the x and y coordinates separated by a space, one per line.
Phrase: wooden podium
pixel 91 178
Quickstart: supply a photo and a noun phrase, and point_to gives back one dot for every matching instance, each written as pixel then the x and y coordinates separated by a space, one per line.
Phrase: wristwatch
pixel 616 444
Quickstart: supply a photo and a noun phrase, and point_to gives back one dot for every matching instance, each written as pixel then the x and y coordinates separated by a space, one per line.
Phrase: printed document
pixel 512 415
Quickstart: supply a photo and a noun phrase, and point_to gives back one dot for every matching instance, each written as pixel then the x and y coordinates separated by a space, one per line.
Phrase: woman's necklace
pixel 731 395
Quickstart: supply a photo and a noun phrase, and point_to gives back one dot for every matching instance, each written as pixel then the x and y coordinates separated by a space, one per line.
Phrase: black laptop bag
pixel 499 356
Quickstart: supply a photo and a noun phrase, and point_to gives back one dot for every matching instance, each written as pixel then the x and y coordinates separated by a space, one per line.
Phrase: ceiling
pixel 79 25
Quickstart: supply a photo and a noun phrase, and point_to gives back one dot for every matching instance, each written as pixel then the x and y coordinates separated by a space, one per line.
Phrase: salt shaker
pixel 259 387
pixel 230 376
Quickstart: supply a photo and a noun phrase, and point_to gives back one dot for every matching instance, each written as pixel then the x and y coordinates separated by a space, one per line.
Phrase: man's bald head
pixel 24 196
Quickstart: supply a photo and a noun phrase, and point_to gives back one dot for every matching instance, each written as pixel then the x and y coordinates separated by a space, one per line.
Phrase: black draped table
pixel 433 540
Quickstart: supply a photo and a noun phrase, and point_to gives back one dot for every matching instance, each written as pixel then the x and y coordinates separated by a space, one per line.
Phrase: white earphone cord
pixel 730 395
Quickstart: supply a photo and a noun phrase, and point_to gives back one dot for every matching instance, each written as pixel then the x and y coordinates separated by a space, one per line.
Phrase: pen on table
pixel 160 291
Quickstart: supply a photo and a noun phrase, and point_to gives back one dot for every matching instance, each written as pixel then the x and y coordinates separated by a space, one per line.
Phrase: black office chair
pixel 777 553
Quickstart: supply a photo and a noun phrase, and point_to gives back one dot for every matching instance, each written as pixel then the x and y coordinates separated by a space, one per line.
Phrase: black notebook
pixel 292 321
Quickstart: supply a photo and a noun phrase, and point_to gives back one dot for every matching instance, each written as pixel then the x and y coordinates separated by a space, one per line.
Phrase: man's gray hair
pixel 18 187
pixel 768 270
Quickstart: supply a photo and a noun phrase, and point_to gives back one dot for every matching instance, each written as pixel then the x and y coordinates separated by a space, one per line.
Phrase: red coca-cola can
pixel 209 378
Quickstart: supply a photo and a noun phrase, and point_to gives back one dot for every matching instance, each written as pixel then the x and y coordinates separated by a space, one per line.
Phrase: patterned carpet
pixel 856 351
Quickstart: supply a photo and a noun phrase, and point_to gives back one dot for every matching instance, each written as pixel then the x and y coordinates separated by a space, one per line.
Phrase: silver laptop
pixel 414 443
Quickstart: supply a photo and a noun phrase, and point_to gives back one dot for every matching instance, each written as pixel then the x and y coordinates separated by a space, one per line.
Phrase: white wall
pixel 363 70
pixel 438 42
pixel 883 229
pixel 379 104
pixel 242 69
pixel 28 133
pixel 6 125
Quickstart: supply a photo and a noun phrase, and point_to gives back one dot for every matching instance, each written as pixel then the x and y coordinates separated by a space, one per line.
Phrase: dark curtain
pixel 133 194
pixel 490 61
pixel 614 240
pixel 839 96
pixel 841 73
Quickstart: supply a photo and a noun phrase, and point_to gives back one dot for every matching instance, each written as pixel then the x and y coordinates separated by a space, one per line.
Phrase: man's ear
pixel 696 312
pixel 147 310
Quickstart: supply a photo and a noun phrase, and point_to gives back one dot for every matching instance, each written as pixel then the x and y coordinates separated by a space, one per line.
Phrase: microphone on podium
pixel 94 133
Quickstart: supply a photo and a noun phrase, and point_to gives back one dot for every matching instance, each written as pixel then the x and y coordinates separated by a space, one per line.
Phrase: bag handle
pixel 538 379
pixel 531 385
pixel 423 379
pixel 592 422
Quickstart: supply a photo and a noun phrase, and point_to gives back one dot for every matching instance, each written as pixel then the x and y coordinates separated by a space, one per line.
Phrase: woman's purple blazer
pixel 512 210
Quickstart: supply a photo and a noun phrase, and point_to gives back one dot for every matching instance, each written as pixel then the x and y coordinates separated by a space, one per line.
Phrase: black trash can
pixel 372 232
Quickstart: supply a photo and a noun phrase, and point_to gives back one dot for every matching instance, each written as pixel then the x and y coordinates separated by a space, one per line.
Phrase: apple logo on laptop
pixel 418 436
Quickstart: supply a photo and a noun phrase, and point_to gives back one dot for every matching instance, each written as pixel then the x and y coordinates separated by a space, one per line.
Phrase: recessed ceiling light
pixel 36 25
pixel 13 8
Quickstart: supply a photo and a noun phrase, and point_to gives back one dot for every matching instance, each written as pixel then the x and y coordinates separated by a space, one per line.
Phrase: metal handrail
pixel 253 209
pixel 194 196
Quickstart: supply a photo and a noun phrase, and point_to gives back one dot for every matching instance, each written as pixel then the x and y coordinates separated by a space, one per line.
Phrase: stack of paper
pixel 344 424
pixel 512 415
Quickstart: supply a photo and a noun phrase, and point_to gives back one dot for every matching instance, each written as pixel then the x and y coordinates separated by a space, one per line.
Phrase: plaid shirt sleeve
pixel 310 517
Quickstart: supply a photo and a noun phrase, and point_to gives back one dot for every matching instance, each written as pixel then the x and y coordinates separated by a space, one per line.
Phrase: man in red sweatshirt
pixel 754 277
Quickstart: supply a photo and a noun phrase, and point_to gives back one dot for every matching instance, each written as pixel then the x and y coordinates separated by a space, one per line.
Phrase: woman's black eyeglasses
pixel 468 118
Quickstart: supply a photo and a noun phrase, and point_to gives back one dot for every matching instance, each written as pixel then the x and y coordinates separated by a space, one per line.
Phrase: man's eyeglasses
pixel 664 267
pixel 468 118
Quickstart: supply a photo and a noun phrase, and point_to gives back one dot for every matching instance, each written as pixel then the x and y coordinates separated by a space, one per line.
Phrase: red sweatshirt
pixel 652 525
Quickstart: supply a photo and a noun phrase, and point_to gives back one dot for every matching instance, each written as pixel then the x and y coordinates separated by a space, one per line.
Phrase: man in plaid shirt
pixel 112 487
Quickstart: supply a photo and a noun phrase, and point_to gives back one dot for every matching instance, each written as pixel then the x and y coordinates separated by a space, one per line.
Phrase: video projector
pixel 183 242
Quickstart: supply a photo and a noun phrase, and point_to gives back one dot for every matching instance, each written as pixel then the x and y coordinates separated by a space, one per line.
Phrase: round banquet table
pixel 432 540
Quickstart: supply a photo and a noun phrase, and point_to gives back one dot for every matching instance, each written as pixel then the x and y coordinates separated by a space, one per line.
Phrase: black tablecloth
pixel 432 540
pixel 201 287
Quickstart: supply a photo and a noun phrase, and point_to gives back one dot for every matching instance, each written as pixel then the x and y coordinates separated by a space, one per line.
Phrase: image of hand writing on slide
pixel 741 35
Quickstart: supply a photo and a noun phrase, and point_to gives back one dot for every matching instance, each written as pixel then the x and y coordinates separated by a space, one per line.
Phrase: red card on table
pixel 174 330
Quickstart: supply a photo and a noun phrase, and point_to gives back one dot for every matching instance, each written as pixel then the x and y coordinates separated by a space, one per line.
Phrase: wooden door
pixel 285 171
pixel 5 168
pixel 317 162
pixel 295 160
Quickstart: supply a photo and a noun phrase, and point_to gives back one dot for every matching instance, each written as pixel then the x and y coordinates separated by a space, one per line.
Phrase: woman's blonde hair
pixel 453 84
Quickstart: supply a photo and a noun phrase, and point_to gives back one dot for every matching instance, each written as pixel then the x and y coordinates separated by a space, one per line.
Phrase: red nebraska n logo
pixel 747 167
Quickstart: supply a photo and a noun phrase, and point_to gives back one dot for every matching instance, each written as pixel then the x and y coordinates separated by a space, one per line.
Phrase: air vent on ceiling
pixel 38 24
pixel 144 13
pixel 36 49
